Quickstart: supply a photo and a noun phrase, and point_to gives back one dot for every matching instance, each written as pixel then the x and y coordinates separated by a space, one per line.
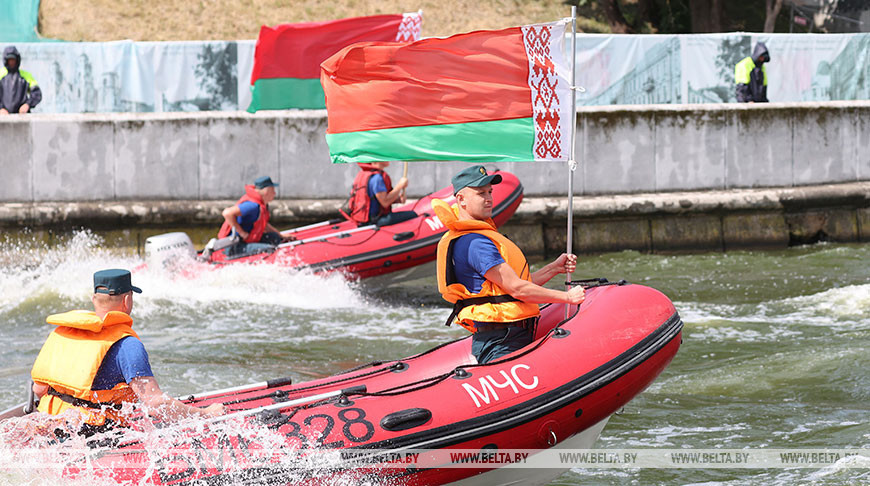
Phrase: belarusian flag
pixel 287 57
pixel 487 96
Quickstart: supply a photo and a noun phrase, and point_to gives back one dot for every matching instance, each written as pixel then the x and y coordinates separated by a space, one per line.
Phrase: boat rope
pixel 422 217
pixel 361 367
pixel 424 353
pixel 432 380
pixel 326 240
pixel 285 393
pixel 393 366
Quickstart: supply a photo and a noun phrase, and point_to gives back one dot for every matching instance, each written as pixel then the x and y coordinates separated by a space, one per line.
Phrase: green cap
pixel 474 176
pixel 114 281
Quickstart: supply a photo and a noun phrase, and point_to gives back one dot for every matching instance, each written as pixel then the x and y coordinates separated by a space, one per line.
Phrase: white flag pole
pixel 572 164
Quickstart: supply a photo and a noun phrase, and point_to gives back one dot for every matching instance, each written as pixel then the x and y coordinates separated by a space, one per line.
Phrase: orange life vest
pixel 492 303
pixel 259 228
pixel 360 202
pixel 70 358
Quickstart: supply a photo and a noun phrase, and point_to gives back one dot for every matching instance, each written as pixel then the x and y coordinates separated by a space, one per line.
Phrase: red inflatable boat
pixel 360 251
pixel 557 392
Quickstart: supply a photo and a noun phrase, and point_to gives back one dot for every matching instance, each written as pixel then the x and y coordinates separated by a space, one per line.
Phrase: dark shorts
pixel 490 345
pixel 395 218
pixel 267 243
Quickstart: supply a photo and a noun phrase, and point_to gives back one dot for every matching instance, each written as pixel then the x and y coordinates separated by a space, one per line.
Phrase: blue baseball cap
pixel 264 181
pixel 474 176
pixel 114 281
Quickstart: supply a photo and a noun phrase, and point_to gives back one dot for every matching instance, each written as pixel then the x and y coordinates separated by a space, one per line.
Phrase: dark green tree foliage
pixel 851 6
pixel 217 72
pixel 732 50
pixel 675 16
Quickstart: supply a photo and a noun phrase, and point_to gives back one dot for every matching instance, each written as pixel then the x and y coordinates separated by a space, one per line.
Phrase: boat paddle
pixel 405 175
pixel 22 409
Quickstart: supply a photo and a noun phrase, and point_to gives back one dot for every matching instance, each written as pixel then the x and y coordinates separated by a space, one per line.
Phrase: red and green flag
pixel 287 57
pixel 486 96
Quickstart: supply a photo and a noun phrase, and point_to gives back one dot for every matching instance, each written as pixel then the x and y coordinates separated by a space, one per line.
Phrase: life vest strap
pixel 81 402
pixel 488 299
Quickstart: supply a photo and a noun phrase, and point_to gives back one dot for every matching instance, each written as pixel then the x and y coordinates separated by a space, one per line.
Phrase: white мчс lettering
pixel 488 385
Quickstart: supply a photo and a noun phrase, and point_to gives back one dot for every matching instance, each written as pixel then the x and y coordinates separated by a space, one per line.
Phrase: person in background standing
pixel 19 92
pixel 750 75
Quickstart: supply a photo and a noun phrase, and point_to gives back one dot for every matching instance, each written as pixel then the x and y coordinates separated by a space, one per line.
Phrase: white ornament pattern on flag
pixel 550 92
pixel 410 28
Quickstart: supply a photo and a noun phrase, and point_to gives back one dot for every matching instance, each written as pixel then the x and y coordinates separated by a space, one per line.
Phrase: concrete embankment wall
pixel 156 169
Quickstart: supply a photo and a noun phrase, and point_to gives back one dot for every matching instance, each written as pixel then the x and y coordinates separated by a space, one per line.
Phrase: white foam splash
pixel 30 269
pixel 31 452
pixel 847 306
pixel 252 285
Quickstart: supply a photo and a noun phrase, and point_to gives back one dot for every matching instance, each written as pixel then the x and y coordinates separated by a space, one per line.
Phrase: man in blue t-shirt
pixel 256 234
pixel 126 360
pixel 476 259
pixel 381 197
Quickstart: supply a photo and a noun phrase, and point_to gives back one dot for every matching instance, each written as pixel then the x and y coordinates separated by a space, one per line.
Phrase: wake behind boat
pixel 340 245
pixel 558 392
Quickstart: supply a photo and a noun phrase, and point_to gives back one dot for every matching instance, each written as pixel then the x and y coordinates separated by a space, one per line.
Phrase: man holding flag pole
pixel 485 96
pixel 372 196
pixel 486 276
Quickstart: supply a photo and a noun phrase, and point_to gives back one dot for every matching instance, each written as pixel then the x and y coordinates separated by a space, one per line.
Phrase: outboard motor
pixel 161 251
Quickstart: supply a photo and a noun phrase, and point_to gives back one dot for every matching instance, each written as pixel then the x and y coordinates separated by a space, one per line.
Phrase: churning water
pixel 775 352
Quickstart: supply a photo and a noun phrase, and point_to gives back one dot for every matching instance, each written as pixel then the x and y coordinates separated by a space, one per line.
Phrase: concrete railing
pixel 623 149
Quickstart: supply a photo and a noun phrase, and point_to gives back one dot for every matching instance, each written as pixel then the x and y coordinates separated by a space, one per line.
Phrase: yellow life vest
pixel 71 357
pixel 495 304
pixel 743 70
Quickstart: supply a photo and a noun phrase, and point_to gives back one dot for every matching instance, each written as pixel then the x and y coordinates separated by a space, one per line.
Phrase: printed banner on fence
pixel 126 76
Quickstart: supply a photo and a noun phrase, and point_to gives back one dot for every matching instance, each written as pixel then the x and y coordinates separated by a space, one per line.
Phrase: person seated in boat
pixel 249 219
pixel 486 276
pixel 373 194
pixel 94 362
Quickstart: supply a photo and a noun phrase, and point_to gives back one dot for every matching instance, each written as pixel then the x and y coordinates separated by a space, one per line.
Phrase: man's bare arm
pixel 230 215
pixel 271 228
pixel 386 199
pixel 39 389
pixel 505 277
pixel 564 264
pixel 162 405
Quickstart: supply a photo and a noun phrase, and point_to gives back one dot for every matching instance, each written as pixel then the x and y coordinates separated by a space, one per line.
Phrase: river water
pixel 775 352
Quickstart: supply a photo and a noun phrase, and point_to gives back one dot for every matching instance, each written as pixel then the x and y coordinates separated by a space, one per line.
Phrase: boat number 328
pixel 352 421
pixel 488 387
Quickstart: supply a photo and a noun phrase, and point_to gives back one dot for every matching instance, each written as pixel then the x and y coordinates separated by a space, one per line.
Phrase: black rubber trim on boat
pixel 279 382
pixel 406 419
pixel 410 246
